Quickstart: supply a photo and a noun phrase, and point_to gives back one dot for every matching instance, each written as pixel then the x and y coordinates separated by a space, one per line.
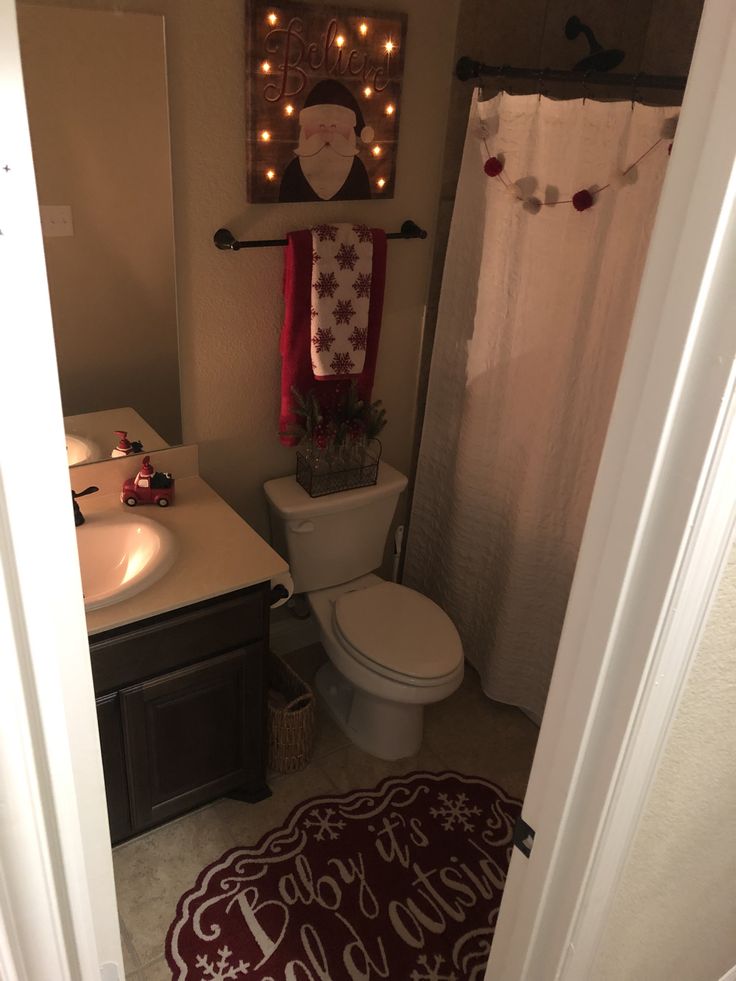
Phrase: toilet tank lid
pixel 289 499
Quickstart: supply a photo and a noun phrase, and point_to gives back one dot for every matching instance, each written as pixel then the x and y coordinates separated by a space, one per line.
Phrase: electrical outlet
pixel 56 220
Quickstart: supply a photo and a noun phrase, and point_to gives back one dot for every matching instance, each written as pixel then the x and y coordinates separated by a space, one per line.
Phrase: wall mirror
pixel 98 110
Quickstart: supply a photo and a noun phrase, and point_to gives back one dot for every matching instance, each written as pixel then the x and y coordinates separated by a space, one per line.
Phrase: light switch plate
pixel 56 220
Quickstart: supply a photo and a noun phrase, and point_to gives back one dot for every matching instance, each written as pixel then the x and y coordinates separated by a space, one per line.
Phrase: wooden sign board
pixel 325 99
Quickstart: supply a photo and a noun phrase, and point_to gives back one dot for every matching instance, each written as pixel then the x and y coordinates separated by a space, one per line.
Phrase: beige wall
pixel 674 915
pixel 96 92
pixel 230 305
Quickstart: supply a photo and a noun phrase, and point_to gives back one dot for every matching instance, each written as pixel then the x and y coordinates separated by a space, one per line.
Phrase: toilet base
pixel 387 730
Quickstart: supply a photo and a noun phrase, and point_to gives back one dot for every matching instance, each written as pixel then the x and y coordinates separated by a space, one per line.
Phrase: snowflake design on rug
pixel 323 339
pixel 455 811
pixel 363 232
pixel 359 338
pixel 342 364
pixel 431 972
pixel 326 285
pixel 346 256
pixel 343 311
pixel 315 257
pixel 362 285
pixel 221 970
pixel 326 823
pixel 325 232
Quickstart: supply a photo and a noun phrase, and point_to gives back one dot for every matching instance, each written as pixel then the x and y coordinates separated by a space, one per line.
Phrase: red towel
pixel 296 364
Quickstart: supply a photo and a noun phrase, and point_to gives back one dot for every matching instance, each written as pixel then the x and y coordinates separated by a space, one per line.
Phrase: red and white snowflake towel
pixel 342 264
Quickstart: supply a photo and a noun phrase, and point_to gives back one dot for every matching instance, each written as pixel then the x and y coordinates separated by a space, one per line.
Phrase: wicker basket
pixel 291 711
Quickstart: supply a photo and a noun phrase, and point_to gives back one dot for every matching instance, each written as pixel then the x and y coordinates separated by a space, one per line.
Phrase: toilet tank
pixel 332 539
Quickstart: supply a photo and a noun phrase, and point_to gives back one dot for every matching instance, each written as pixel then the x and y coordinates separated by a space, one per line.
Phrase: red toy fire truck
pixel 148 487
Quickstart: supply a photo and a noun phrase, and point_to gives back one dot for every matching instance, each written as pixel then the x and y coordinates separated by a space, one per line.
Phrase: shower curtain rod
pixel 224 238
pixel 468 68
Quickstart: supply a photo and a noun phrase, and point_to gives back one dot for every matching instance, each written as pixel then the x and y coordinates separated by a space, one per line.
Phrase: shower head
pixel 599 59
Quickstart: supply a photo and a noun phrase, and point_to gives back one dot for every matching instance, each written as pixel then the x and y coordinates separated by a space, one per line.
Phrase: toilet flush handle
pixel 301 527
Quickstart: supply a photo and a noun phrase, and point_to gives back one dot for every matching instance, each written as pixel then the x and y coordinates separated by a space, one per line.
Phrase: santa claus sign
pixel 325 93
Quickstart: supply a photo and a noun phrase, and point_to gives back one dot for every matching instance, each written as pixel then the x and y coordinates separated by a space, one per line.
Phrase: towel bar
pixel 224 238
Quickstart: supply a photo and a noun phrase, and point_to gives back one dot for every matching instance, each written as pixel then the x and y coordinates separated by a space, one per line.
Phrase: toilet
pixel 391 650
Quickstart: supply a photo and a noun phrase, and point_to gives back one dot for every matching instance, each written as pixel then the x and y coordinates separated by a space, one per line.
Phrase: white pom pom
pixel 617 179
pixel 367 134
pixel 533 205
pixel 668 128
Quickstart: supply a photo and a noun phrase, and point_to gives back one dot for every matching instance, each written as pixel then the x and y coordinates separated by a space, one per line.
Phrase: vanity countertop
pixel 217 552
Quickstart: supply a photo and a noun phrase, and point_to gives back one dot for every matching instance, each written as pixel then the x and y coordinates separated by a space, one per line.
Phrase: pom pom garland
pixel 493 166
pixel 533 205
pixel 582 200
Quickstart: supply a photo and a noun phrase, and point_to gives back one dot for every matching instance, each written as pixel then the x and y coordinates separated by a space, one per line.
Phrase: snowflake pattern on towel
pixel 343 312
pixel 340 299
pixel 346 256
pixel 362 285
pixel 342 364
pixel 326 824
pixel 435 971
pixel 323 339
pixel 325 285
pixel 359 338
pixel 325 233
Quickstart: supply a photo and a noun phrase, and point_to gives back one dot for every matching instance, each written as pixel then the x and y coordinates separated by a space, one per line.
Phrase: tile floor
pixel 152 871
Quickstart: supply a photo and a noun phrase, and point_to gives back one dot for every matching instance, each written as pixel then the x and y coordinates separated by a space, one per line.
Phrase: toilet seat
pixel 399 633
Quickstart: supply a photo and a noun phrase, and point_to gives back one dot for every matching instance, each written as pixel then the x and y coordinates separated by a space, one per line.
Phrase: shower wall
pixel 658 37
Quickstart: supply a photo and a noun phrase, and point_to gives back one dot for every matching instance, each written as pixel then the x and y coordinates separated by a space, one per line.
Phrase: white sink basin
pixel 121 555
pixel 79 449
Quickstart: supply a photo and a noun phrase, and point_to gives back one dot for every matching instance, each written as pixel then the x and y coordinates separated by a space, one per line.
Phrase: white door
pixel 660 520
pixel 58 916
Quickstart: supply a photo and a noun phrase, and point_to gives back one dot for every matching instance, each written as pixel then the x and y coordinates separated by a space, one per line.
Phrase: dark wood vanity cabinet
pixel 181 709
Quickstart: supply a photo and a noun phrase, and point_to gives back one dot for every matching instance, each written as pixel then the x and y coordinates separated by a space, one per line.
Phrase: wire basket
pixel 291 718
pixel 338 476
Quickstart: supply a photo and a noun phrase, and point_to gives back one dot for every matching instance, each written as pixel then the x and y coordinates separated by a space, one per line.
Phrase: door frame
pixel 659 528
pixel 58 913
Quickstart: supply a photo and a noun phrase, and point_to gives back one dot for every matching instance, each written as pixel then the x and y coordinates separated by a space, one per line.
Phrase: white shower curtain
pixel 533 322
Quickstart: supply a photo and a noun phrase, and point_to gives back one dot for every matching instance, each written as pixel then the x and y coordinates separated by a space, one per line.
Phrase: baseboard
pixel 291 634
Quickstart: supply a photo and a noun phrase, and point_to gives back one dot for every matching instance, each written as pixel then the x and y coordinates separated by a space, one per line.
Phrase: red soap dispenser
pixel 148 487
pixel 124 446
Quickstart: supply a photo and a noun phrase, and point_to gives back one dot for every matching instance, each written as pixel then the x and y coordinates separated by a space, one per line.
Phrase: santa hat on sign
pixel 330 94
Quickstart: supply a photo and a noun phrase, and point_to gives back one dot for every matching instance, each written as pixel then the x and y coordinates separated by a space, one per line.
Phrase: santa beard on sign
pixel 327 167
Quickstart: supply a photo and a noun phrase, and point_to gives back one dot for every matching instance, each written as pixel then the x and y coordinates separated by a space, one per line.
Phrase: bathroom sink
pixel 80 450
pixel 120 556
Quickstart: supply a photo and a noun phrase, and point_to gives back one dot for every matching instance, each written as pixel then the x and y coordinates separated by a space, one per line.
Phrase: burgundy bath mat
pixel 402 882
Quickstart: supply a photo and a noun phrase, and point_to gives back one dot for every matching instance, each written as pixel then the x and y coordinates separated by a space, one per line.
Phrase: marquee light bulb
pixel 390 109
pixel 289 110
pixel 364 28
pixel 272 19
pixel 376 151
pixel 389 46
pixel 265 136
pixel 270 175
pixel 367 91
pixel 381 183
pixel 266 67
pixel 339 40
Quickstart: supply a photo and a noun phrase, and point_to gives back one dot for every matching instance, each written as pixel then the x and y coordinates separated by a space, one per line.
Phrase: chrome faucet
pixel 78 516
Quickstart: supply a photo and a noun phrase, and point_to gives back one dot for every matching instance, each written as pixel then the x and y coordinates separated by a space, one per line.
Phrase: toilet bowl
pixel 391 650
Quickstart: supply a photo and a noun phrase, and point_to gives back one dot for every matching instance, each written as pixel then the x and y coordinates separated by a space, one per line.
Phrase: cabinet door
pixel 113 763
pixel 194 734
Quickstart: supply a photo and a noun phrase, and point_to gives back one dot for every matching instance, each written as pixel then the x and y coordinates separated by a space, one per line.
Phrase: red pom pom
pixel 582 200
pixel 493 166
